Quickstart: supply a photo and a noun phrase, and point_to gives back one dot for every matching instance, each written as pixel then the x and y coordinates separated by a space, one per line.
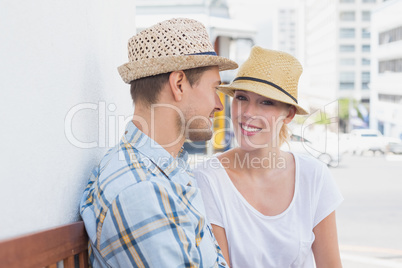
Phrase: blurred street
pixel 370 219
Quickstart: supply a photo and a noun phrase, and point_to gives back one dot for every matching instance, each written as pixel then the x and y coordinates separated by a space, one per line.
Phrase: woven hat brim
pixel 154 66
pixel 263 90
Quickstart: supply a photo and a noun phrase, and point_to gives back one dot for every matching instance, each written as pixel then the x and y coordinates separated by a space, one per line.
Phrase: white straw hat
pixel 171 45
pixel 272 74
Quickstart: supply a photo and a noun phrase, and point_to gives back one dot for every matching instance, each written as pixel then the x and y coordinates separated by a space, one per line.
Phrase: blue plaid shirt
pixel 142 208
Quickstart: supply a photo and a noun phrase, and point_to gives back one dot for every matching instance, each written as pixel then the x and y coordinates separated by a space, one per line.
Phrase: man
pixel 141 207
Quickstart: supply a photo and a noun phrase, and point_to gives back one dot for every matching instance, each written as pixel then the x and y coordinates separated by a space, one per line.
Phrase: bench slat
pixel 44 248
pixel 69 262
pixel 83 259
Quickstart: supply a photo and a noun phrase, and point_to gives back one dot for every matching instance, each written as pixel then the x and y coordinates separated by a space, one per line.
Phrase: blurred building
pixel 285 30
pixel 231 38
pixel 336 50
pixel 386 69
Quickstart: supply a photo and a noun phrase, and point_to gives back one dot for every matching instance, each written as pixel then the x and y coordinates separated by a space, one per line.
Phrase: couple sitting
pixel 144 207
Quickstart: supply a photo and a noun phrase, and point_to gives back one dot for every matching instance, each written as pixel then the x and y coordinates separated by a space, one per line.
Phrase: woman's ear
pixel 176 82
pixel 291 115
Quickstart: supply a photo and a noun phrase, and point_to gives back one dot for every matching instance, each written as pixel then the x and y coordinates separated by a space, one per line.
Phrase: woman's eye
pixel 267 102
pixel 239 97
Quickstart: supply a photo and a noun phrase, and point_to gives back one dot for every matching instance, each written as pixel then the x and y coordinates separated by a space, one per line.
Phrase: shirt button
pixel 223 264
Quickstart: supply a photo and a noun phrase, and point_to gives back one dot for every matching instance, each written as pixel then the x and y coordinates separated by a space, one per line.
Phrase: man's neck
pixel 160 124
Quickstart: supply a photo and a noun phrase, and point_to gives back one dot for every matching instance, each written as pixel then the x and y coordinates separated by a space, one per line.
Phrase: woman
pixel 267 207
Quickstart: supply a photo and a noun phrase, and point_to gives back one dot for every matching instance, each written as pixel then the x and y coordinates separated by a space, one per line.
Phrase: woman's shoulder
pixel 310 168
pixel 216 161
pixel 306 161
pixel 208 167
pixel 210 174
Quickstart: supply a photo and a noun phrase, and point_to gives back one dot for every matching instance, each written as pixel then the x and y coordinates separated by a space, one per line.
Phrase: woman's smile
pixel 249 130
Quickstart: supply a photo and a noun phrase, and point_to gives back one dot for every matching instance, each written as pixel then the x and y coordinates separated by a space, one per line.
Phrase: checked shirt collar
pixel 157 158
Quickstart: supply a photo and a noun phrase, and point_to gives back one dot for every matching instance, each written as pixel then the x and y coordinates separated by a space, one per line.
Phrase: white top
pixel 256 240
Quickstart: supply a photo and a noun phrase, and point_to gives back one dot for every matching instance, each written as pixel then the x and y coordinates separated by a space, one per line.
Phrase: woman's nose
pixel 248 110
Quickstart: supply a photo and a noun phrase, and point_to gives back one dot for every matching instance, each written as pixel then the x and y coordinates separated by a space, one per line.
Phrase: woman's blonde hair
pixel 284 134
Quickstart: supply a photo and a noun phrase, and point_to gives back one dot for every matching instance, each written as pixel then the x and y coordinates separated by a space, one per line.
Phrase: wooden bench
pixel 68 243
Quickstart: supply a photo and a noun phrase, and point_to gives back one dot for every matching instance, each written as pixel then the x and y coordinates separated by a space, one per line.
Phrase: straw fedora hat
pixel 272 74
pixel 171 45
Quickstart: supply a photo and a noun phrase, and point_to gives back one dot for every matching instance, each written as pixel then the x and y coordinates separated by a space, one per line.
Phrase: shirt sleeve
pixel 328 197
pixel 147 227
pixel 210 197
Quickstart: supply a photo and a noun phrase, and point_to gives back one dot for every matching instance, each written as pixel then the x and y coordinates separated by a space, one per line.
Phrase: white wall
pixel 57 58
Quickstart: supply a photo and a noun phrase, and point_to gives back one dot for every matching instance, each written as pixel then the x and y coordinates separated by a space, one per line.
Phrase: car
pixel 327 152
pixel 366 140
pixel 394 147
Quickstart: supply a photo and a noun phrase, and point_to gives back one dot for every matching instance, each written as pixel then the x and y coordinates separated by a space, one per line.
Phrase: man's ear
pixel 177 80
pixel 291 114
